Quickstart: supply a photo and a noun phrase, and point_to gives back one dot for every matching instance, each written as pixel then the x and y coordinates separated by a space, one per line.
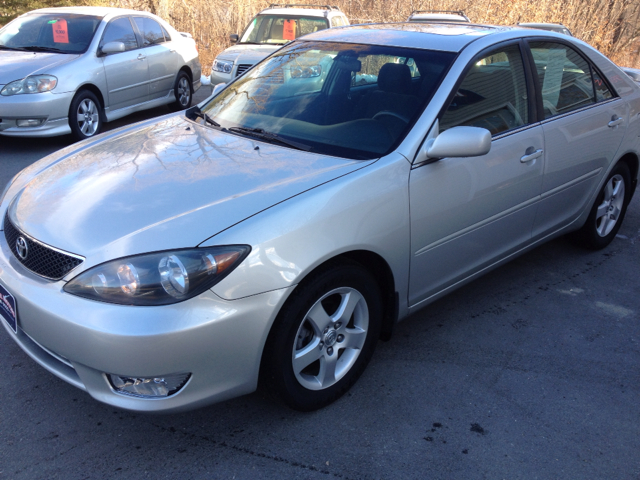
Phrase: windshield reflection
pixel 353 101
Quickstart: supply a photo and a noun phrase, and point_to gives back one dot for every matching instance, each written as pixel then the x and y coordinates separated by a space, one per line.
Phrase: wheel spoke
pixel 602 209
pixel 318 317
pixel 608 190
pixel 306 356
pixel 604 229
pixel 353 338
pixel 348 304
pixel 327 374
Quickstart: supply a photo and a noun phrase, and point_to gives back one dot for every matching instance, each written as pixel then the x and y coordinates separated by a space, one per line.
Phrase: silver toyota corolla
pixel 276 231
pixel 68 70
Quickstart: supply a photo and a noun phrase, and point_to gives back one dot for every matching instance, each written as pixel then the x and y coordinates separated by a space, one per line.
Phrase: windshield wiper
pixel 206 118
pixel 17 49
pixel 36 48
pixel 264 135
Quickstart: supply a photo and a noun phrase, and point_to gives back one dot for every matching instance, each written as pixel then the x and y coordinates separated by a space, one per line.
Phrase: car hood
pixel 162 185
pixel 17 65
pixel 248 53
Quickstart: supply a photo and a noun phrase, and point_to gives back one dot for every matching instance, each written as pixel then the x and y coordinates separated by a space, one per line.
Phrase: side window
pixel 493 94
pixel 150 30
pixel 602 91
pixel 565 78
pixel 120 30
pixel 337 22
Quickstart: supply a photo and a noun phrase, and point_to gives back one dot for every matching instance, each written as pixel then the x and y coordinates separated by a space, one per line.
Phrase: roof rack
pixel 453 12
pixel 290 5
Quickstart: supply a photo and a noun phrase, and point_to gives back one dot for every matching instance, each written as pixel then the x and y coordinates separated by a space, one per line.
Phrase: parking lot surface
pixel 531 372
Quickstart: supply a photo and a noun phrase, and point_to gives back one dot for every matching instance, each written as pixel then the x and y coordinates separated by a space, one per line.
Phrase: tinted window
pixel 565 78
pixel 493 94
pixel 602 91
pixel 150 30
pixel 120 30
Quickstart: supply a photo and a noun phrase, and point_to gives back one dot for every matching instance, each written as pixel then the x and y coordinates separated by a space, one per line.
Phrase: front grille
pixel 243 67
pixel 41 259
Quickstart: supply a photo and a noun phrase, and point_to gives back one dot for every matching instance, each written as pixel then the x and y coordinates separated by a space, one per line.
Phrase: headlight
pixel 33 84
pixel 220 66
pixel 306 72
pixel 158 278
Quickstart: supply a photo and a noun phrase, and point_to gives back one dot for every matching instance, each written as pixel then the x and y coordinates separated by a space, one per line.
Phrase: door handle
pixel 615 121
pixel 141 57
pixel 531 154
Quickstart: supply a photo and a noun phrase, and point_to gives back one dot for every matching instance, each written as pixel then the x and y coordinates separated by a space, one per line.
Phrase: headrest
pixel 395 78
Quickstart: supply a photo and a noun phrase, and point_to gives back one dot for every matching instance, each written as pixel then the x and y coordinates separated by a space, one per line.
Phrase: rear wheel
pixel 323 337
pixel 182 91
pixel 607 213
pixel 84 115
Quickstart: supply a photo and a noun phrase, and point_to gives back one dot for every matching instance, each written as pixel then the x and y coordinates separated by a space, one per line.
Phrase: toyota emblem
pixel 22 248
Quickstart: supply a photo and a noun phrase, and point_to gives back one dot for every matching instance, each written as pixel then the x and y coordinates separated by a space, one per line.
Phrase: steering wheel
pixel 387 113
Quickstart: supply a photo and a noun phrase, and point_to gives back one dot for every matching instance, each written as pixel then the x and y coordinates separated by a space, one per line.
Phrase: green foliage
pixel 10 9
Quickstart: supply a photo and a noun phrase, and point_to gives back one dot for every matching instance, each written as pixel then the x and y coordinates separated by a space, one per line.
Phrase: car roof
pixel 448 37
pixel 95 11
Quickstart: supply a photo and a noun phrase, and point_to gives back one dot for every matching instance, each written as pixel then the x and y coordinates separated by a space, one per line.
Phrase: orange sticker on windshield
pixel 289 30
pixel 60 32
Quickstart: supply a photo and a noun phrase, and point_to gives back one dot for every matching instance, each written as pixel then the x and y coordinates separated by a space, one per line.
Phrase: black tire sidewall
pixel 588 235
pixel 277 372
pixel 73 112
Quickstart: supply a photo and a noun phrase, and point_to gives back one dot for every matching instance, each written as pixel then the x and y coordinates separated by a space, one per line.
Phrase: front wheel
pixel 182 91
pixel 608 210
pixel 84 115
pixel 323 337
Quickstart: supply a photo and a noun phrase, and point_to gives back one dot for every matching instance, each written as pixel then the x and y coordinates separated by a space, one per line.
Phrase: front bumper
pixel 219 342
pixel 53 108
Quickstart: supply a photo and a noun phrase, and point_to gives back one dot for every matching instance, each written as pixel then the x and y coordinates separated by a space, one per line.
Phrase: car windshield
pixel 347 100
pixel 280 29
pixel 59 32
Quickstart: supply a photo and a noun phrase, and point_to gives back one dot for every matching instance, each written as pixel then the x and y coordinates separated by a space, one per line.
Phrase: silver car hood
pixel 163 185
pixel 17 65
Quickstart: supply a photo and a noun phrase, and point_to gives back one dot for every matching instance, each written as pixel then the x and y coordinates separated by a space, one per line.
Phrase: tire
pixel 183 93
pixel 85 116
pixel 323 338
pixel 608 211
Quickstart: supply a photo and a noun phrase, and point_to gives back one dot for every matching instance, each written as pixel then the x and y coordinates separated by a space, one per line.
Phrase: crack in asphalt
pixel 248 451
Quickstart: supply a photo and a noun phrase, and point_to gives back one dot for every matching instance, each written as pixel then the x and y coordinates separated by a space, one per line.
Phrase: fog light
pixel 149 387
pixel 30 122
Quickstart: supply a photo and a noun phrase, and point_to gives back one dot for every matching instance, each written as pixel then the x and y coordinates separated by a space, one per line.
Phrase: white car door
pixel 583 127
pixel 466 213
pixel 126 72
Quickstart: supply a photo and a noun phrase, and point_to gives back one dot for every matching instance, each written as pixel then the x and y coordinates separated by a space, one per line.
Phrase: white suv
pixel 268 31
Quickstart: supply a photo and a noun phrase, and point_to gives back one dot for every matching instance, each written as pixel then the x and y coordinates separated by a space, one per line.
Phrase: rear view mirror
pixel 234 38
pixel 349 64
pixel 112 47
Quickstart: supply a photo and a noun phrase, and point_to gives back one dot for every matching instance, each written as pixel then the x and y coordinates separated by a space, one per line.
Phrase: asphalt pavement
pixel 531 372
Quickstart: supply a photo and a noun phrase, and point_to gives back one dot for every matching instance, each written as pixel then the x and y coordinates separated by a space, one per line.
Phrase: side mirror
pixel 112 47
pixel 456 142
pixel 217 89
pixel 234 38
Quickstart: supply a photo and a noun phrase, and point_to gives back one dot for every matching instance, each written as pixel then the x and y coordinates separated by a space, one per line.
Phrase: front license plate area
pixel 8 309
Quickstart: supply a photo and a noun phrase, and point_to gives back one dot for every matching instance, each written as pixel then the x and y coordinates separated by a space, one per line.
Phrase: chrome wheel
pixel 88 117
pixel 608 212
pixel 330 338
pixel 183 92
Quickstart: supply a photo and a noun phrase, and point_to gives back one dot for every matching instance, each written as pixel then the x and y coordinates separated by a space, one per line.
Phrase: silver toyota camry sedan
pixel 68 70
pixel 273 233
